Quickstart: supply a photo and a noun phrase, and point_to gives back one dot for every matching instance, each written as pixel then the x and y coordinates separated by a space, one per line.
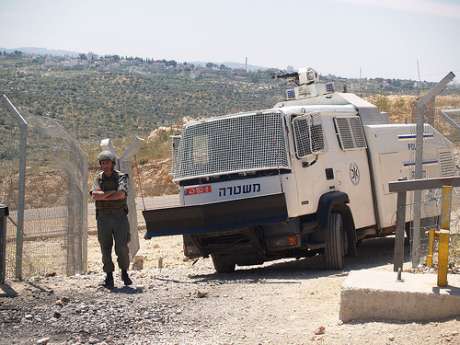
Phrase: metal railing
pixel 402 187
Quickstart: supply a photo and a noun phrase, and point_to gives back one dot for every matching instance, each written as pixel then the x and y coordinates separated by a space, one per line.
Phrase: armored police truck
pixel 306 177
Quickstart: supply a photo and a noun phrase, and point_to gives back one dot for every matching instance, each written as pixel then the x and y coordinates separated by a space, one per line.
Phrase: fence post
pixel 3 216
pixel 23 128
pixel 398 259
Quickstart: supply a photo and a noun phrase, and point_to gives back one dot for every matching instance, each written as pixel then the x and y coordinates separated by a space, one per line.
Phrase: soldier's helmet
pixel 106 156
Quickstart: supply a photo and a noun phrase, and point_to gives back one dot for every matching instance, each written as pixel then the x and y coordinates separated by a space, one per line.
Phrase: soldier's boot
pixel 125 277
pixel 108 282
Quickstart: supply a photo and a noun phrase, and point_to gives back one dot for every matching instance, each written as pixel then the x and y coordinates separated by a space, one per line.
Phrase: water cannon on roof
pixel 307 84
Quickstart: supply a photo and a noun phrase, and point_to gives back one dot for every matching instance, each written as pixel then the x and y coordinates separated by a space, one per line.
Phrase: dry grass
pixel 400 108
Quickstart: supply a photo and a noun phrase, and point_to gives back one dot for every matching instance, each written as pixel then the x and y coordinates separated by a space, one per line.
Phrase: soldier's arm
pixel 101 195
pixel 122 191
pixel 96 191
pixel 118 195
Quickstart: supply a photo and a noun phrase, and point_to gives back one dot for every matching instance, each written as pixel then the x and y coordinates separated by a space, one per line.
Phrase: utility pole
pixel 360 82
pixel 418 73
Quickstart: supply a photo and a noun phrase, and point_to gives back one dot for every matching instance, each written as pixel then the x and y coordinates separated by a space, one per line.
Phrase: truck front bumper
pixel 199 219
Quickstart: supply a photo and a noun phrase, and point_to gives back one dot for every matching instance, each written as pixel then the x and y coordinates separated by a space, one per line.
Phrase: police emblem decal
pixel 354 173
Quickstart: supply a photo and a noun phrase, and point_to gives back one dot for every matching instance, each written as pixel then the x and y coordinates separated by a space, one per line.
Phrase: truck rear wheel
pixel 222 264
pixel 334 250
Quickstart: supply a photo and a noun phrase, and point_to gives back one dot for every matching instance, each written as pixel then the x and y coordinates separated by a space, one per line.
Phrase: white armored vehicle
pixel 308 176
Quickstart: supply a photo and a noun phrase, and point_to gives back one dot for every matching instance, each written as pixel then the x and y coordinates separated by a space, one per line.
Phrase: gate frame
pixel 23 128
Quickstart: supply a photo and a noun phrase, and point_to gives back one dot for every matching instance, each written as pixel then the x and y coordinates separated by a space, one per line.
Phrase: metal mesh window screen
pixel 350 132
pixel 358 132
pixel 246 142
pixel 308 134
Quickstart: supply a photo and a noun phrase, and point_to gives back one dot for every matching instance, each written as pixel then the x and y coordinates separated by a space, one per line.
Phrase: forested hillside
pixel 115 97
pixel 112 96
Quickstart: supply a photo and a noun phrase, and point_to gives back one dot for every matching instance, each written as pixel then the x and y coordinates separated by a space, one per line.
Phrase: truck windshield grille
pixel 246 142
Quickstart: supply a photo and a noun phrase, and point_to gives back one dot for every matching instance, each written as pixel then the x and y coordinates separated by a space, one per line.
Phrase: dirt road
pixel 284 302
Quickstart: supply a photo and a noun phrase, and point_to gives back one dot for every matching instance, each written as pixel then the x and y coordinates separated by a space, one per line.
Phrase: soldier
pixel 110 190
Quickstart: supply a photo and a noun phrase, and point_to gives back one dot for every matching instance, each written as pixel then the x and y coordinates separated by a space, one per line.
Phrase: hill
pixel 113 96
pixel 41 51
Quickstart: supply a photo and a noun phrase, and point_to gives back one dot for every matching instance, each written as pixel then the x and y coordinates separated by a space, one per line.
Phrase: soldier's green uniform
pixel 112 220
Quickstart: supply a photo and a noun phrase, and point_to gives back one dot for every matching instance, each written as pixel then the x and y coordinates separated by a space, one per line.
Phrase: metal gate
pixel 43 176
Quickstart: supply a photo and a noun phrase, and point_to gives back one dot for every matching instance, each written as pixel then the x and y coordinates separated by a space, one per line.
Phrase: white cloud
pixel 430 7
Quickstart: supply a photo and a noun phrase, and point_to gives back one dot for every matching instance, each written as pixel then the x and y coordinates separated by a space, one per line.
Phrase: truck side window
pixel 308 135
pixel 350 133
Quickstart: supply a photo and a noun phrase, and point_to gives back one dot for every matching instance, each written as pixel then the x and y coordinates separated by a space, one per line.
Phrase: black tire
pixel 334 250
pixel 222 264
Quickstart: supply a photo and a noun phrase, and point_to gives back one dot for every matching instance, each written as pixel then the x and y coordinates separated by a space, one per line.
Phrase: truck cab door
pixel 309 144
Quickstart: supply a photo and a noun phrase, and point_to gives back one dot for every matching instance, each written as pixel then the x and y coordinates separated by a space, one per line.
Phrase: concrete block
pixel 377 295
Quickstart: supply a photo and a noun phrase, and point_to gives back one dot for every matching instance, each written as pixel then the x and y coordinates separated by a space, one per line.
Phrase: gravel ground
pixel 285 302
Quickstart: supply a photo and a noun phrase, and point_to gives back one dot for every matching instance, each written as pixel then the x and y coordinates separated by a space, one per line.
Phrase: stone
pixel 138 263
pixel 320 330
pixel 93 340
pixel 43 341
pixel 201 294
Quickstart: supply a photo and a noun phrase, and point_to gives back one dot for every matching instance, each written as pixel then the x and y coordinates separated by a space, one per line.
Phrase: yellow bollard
pixel 446 201
pixel 429 257
pixel 443 236
pixel 443 257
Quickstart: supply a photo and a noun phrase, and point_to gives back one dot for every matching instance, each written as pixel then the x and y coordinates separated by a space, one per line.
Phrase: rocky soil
pixel 175 301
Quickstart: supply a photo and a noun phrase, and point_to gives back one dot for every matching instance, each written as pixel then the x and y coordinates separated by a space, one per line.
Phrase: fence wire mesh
pixel 449 165
pixel 9 169
pixel 454 136
pixel 55 216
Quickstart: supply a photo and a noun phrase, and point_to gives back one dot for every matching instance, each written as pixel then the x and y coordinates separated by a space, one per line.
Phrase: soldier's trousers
pixel 113 225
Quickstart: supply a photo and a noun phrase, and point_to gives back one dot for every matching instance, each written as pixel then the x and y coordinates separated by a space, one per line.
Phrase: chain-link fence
pixel 448 165
pixel 453 134
pixel 437 161
pixel 54 234
pixel 9 170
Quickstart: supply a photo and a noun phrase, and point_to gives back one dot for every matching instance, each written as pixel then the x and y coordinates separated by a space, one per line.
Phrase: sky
pixel 382 38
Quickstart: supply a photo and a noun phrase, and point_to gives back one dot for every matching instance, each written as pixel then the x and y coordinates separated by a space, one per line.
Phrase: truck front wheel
pixel 334 250
pixel 222 264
